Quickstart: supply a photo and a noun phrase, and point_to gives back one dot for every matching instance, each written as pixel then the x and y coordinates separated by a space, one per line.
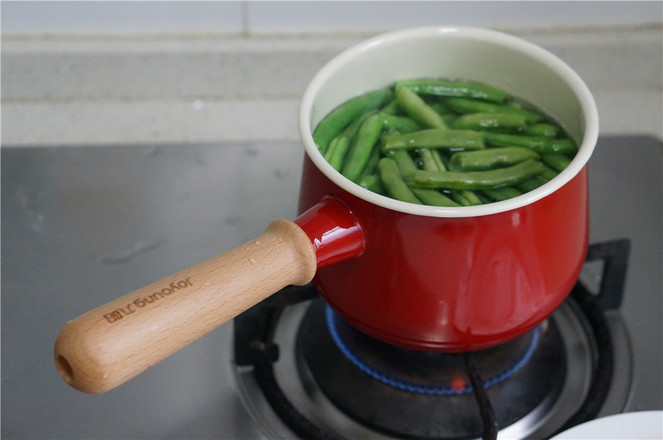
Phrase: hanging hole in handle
pixel 64 368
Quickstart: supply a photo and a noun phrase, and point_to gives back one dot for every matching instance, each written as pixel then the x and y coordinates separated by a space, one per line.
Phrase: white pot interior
pixel 519 67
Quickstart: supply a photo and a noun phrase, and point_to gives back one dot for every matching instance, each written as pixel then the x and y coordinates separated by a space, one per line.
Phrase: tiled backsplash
pixel 81 73
pixel 312 16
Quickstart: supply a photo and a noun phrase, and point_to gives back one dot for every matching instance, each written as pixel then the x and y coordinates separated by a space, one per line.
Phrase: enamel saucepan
pixel 421 277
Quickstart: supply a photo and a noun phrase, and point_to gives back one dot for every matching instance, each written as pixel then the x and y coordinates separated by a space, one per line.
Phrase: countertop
pixel 84 225
pixel 134 89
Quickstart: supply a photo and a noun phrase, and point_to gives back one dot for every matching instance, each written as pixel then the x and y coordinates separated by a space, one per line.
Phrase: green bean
pixel 431 160
pixel 417 109
pixel 393 181
pixel 532 183
pixel 398 123
pixel 338 148
pixel 343 115
pixel 361 148
pixel 441 109
pixel 490 121
pixel 542 129
pixel 490 158
pixel 434 138
pixel 373 183
pixel 504 193
pixel 449 118
pixel 458 198
pixel 447 115
pixel 400 141
pixel 406 165
pixel 439 161
pixel 444 159
pixel 484 199
pixel 548 173
pixel 372 163
pixel 433 197
pixel 475 180
pixel 391 108
pixel 462 105
pixel 471 197
pixel 540 144
pixel 468 198
pixel 556 161
pixel 351 130
pixel 544 177
pixel 465 89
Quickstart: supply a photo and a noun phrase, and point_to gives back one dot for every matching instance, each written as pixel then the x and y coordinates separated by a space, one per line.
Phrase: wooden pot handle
pixel 111 344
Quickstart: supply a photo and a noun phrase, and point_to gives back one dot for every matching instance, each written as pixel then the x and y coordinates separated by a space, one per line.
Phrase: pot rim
pixel 576 84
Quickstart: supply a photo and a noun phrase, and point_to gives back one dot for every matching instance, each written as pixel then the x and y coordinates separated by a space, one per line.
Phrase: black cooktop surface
pixel 84 225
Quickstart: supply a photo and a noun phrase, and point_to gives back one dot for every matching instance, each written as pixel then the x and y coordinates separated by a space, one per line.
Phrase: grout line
pixel 247 33
pixel 245 25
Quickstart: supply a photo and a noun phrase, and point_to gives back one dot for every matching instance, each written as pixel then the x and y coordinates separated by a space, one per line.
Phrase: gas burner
pixel 395 390
pixel 300 369
pixel 421 372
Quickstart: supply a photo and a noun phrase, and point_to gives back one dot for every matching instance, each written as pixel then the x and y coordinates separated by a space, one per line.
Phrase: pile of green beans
pixel 444 143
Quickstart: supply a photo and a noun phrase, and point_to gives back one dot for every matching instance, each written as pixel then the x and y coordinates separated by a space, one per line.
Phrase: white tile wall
pixel 311 16
pixel 331 16
pixel 98 73
pixel 120 16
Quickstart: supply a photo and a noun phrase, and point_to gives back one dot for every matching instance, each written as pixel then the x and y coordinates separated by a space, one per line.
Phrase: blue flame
pixel 414 388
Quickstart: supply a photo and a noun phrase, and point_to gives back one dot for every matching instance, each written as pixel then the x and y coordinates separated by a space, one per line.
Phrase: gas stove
pixel 301 370
pixel 82 226
pixel 349 385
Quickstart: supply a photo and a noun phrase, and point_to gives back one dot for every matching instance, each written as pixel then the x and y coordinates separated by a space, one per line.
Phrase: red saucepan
pixel 428 278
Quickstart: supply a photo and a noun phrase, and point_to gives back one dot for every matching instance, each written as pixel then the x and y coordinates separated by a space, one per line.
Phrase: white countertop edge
pixel 44 106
